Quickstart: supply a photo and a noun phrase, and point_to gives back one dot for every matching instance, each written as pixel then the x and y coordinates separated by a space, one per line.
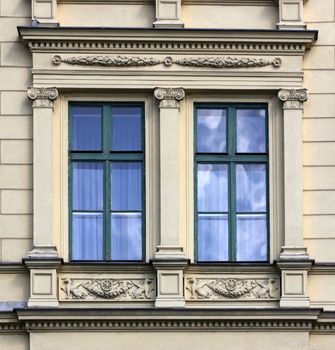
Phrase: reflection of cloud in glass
pixel 213 237
pixel 212 187
pixel 251 234
pixel 251 130
pixel 126 236
pixel 251 187
pixel 211 130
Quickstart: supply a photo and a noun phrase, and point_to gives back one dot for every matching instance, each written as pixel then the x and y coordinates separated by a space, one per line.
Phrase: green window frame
pixel 230 158
pixel 107 156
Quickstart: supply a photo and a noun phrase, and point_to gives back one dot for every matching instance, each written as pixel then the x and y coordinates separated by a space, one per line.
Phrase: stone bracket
pixel 168 14
pixel 291 14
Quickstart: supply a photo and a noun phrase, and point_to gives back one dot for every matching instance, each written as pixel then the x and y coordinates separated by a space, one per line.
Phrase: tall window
pixel 231 182
pixel 106 181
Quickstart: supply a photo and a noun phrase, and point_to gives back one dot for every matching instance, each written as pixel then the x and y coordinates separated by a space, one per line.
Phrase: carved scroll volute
pixel 169 97
pixel 293 98
pixel 42 97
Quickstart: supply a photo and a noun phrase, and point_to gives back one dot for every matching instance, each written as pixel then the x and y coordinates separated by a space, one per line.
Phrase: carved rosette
pixel 293 99
pixel 207 289
pixel 42 97
pixel 169 97
pixel 97 289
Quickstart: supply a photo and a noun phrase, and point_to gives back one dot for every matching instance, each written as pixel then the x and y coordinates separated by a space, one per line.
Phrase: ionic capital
pixel 42 97
pixel 293 99
pixel 169 97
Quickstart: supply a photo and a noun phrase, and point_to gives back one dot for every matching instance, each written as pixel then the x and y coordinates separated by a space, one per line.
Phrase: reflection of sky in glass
pixel 212 237
pixel 126 186
pixel 212 188
pixel 251 130
pixel 126 236
pixel 211 130
pixel 87 236
pixel 251 187
pixel 251 236
pixel 87 186
pixel 126 129
pixel 86 128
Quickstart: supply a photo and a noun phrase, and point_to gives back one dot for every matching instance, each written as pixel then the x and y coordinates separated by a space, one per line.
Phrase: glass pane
pixel 251 187
pixel 212 237
pixel 86 128
pixel 87 236
pixel 87 186
pixel 211 130
pixel 251 130
pixel 212 187
pixel 126 186
pixel 251 236
pixel 126 236
pixel 126 128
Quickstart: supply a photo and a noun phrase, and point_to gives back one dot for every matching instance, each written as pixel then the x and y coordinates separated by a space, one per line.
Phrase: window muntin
pixel 106 185
pixel 232 185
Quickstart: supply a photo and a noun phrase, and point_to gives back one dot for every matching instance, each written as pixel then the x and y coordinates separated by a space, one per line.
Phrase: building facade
pixel 167 174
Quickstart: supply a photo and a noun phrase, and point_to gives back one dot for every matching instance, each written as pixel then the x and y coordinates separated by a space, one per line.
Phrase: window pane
pixel 251 236
pixel 251 130
pixel 212 237
pixel 87 186
pixel 87 236
pixel 126 186
pixel 126 236
pixel 86 128
pixel 126 129
pixel 211 130
pixel 251 188
pixel 212 188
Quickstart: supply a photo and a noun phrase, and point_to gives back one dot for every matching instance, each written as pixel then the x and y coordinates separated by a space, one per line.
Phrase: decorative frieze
pixel 118 61
pixel 293 99
pixel 228 62
pixel 213 289
pixel 98 289
pixel 169 98
pixel 42 97
pixel 136 61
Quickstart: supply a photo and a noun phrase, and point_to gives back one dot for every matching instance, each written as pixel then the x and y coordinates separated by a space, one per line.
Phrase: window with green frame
pixel 106 154
pixel 231 172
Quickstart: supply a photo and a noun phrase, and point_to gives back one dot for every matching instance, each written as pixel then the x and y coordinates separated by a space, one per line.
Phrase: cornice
pixel 168 320
pixel 185 2
pixel 12 268
pixel 114 2
pixel 83 267
pixel 10 324
pixel 162 41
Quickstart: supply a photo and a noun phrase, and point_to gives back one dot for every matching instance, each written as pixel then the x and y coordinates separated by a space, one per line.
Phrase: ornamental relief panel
pixel 106 289
pixel 214 289
pixel 197 62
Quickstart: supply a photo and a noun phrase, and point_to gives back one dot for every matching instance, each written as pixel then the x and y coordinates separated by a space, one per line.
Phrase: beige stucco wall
pixel 15 134
pixel 319 135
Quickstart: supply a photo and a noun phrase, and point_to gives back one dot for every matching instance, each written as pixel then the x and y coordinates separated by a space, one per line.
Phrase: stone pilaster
pixel 43 245
pixel 170 259
pixel 44 12
pixel 168 14
pixel 294 261
pixel 291 14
